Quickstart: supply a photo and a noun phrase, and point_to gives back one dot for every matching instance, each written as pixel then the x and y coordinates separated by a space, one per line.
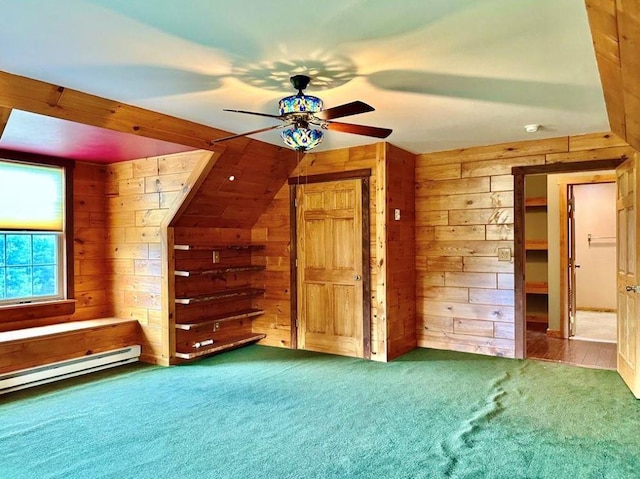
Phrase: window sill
pixel 19 312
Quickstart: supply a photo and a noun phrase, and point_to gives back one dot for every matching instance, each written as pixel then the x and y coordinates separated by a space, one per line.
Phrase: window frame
pixel 48 307
pixel 60 292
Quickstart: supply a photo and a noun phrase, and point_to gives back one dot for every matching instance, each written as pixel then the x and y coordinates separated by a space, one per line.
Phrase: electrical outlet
pixel 504 254
pixel 396 214
pixel 216 327
pixel 216 256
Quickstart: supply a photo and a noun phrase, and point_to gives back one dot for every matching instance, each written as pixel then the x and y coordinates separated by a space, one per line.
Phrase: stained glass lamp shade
pixel 302 139
pixel 300 104
pixel 299 137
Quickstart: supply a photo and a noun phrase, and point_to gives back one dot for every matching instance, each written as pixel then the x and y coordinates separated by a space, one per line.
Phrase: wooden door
pixel 571 246
pixel 330 287
pixel 627 281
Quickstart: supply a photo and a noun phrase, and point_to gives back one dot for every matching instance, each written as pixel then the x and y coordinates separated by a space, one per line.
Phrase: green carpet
pixel 273 413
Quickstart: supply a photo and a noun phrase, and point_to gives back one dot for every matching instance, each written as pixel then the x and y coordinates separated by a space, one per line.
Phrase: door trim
pixel 519 172
pixel 363 175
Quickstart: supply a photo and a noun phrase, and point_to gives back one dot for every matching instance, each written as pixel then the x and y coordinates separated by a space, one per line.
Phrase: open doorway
pixel 542 273
pixel 584 250
pixel 593 244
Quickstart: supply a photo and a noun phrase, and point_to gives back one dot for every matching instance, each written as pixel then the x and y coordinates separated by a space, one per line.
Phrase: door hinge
pixel 296 262
pixel 295 202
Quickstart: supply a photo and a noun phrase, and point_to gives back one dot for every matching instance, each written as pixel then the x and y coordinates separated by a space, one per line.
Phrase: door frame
pixel 363 175
pixel 564 219
pixel 519 253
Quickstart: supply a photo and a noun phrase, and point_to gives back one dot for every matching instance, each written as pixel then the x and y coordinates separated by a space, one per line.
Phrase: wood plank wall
pixel 400 254
pixel 273 226
pixel 615 30
pixel 259 170
pixel 139 196
pixel 89 254
pixel 392 303
pixel 89 247
pixel 464 213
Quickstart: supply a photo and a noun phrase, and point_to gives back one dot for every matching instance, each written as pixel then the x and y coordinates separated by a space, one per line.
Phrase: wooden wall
pixel 89 255
pixel 273 228
pixel 392 303
pixel 615 29
pixel 140 194
pixel 400 252
pixel 259 170
pixel 464 213
pixel 89 237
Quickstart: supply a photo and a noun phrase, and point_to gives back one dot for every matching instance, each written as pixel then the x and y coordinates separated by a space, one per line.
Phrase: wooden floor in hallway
pixel 571 351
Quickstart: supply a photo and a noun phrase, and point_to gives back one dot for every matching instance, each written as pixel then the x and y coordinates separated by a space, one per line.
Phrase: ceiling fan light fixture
pixel 300 104
pixel 301 139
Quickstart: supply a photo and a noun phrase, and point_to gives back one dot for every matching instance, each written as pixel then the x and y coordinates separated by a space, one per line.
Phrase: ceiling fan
pixel 301 113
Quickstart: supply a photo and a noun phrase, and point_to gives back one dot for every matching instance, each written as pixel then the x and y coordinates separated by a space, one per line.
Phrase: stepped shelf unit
pixel 215 286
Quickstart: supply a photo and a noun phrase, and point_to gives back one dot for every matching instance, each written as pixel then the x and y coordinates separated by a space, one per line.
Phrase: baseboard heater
pixel 69 368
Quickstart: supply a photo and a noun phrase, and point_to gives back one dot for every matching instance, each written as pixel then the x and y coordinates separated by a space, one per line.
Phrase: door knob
pixel 633 288
pixel 357 277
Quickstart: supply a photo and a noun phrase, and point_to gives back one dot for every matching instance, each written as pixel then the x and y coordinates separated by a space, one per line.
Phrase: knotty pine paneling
pixel 139 197
pixel 273 225
pixel 400 251
pixel 464 295
pixel 392 247
pixel 259 171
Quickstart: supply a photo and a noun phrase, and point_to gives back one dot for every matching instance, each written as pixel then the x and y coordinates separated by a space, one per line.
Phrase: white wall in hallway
pixel 596 215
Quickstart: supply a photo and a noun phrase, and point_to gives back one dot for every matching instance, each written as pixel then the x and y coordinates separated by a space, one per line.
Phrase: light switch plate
pixel 216 256
pixel 396 214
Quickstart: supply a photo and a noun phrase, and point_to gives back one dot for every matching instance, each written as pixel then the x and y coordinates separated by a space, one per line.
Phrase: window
pixel 32 233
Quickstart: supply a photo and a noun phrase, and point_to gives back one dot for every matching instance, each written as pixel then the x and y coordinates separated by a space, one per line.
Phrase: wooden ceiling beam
pixel 21 93
pixel 4 118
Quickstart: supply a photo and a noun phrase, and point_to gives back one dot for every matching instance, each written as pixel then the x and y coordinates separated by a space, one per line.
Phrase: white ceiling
pixel 442 74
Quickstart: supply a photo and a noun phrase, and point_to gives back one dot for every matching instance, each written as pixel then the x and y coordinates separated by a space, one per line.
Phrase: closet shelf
pixel 226 294
pixel 535 201
pixel 241 314
pixel 216 348
pixel 208 247
pixel 536 287
pixel 219 271
pixel 536 245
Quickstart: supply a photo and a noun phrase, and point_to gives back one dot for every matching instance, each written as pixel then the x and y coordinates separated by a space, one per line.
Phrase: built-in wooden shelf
pixel 219 347
pixel 223 295
pixel 196 247
pixel 535 201
pixel 219 271
pixel 536 287
pixel 241 314
pixel 536 245
pixel 204 304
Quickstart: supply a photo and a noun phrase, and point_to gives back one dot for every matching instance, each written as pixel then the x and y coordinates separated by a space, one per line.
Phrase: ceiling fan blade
pixel 255 113
pixel 358 129
pixel 353 108
pixel 218 140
